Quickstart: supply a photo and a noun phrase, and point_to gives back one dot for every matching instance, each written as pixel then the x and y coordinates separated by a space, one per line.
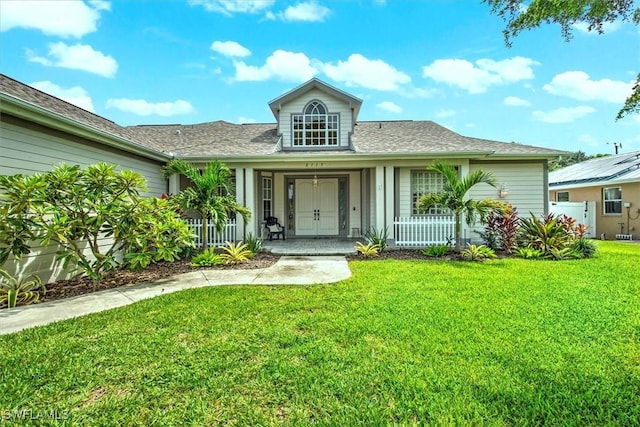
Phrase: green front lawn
pixel 409 342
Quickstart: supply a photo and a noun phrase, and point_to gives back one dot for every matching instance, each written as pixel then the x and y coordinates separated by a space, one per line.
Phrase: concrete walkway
pixel 289 270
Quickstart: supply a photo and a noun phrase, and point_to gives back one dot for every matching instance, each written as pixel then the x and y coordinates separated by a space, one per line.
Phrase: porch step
pixel 310 247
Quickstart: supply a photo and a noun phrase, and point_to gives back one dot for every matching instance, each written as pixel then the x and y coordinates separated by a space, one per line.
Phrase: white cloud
pixel 445 114
pixel 77 57
pixel 74 95
pixel 282 65
pixel 478 77
pixel 243 119
pixel 369 73
pixel 562 115
pixel 607 27
pixel 141 107
pixel 578 85
pixel 229 7
pixel 230 48
pixel 302 12
pixel 54 18
pixel 588 139
pixel 514 101
pixel 392 107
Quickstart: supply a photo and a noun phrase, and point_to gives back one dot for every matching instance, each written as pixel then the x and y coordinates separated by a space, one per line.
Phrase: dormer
pixel 315 116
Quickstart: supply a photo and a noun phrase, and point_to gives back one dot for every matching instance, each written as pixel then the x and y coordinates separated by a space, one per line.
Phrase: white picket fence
pixel 214 238
pixel 424 230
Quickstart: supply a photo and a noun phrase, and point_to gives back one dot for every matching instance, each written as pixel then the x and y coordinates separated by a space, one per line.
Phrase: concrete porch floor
pixel 307 247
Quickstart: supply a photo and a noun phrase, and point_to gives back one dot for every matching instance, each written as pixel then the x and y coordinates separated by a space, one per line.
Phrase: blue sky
pixel 193 61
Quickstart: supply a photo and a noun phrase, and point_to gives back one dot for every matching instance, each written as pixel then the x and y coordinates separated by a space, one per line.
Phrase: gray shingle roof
pixel 601 169
pixel 43 100
pixel 223 139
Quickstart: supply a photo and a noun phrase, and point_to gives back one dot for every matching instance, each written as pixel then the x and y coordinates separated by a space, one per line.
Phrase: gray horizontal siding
pixel 29 151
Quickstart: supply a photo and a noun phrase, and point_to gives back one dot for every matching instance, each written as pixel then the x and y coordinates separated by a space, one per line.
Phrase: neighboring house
pixel 318 169
pixel 612 182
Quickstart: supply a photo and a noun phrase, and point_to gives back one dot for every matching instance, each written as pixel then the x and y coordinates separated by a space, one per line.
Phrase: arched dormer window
pixel 315 127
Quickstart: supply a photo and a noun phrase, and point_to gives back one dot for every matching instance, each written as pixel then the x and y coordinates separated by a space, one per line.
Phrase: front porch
pixel 307 247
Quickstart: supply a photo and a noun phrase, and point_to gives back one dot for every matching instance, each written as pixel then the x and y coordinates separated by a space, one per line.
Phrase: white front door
pixel 317 207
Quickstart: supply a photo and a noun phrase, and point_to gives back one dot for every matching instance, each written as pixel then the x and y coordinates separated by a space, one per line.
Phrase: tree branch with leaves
pixel 595 13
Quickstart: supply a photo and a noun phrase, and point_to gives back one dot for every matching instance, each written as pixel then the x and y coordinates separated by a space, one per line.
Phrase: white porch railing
pixel 424 230
pixel 214 238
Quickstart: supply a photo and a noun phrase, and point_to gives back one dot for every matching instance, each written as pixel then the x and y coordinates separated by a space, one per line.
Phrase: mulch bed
pixel 69 288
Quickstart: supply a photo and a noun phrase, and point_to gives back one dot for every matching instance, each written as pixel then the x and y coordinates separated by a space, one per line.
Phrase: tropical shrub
pixel 156 233
pixel 211 194
pixel 529 253
pixel 377 237
pixel 453 197
pixel 477 253
pixel 437 251
pixel 501 229
pixel 367 250
pixel 92 214
pixel 235 253
pixel 585 247
pixel 207 258
pixel 254 244
pixel 19 290
pixel 545 234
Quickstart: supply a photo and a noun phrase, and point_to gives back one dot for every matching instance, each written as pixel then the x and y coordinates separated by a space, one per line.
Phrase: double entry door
pixel 316 207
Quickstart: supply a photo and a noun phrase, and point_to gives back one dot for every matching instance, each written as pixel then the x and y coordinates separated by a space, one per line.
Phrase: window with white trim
pixel 612 200
pixel 267 197
pixel 316 127
pixel 426 182
pixel 562 196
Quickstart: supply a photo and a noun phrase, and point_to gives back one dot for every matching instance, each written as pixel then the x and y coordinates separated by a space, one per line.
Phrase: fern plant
pixel 436 251
pixel 207 258
pixel 19 290
pixel 235 253
pixel 477 253
pixel 367 250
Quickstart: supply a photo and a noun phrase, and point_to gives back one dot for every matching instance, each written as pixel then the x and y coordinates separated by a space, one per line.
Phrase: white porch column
pixel 380 199
pixel 389 201
pixel 250 201
pixel 240 197
pixel 174 183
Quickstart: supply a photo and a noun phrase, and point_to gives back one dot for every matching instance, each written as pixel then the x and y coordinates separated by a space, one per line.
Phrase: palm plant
pixel 211 194
pixel 453 196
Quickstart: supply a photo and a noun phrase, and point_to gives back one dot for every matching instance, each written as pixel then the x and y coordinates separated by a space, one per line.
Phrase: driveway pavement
pixel 289 270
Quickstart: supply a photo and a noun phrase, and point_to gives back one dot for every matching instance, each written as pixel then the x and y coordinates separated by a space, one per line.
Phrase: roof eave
pixel 25 110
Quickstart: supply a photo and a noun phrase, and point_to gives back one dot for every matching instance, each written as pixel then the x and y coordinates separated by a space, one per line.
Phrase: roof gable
pixel 315 83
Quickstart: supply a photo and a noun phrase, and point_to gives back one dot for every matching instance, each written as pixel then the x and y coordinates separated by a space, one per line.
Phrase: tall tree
pixel 211 194
pixel 453 196
pixel 595 13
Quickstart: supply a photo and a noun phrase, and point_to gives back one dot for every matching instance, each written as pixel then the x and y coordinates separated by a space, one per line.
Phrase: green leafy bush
pixel 19 290
pixel 585 247
pixel 207 258
pixel 501 229
pixel 156 233
pixel 254 244
pixel 367 250
pixel 529 253
pixel 92 214
pixel 477 253
pixel 545 234
pixel 235 254
pixel 377 237
pixel 437 251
